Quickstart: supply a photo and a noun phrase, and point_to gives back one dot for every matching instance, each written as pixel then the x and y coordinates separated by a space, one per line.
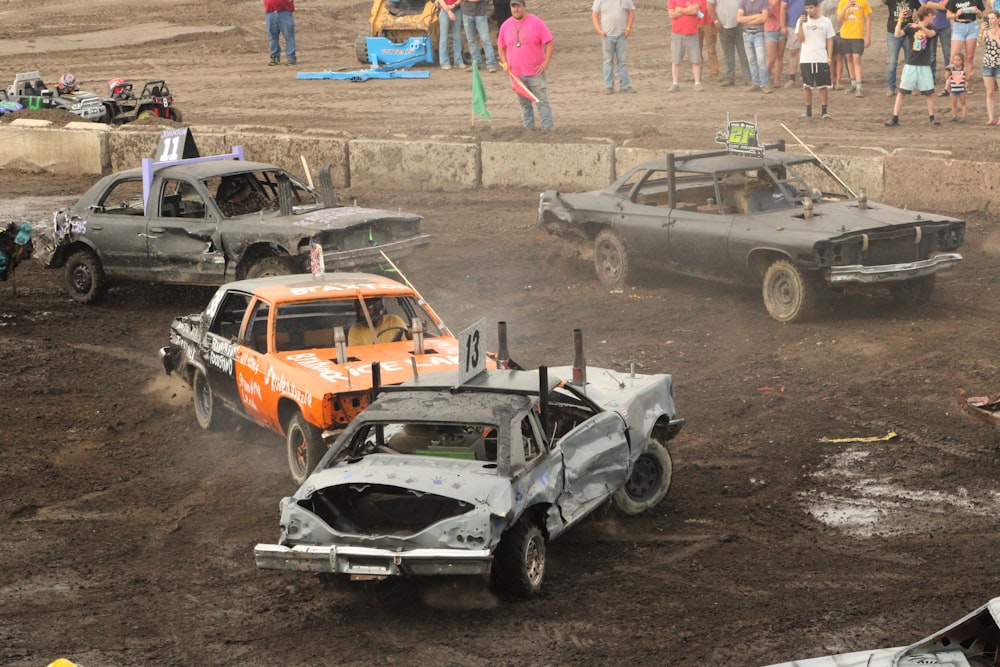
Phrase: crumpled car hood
pixel 338 218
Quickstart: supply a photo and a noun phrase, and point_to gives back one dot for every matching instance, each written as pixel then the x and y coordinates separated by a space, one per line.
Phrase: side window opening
pixel 256 333
pixel 230 316
pixel 124 198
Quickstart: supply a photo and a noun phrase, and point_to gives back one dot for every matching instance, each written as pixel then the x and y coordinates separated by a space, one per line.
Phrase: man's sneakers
pixel 827 116
pixel 609 91
pixel 275 60
pixel 892 122
pixel 674 88
pixel 698 87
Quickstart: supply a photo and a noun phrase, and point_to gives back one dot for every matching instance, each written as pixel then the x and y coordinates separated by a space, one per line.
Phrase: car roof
pixel 306 287
pixel 491 397
pixel 203 170
pixel 710 163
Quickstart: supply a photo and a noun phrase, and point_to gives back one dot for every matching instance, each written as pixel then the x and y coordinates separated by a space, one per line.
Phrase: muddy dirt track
pixel 128 532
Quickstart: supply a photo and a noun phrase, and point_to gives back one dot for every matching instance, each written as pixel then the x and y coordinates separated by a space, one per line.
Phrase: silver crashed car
pixel 437 478
pixel 971 641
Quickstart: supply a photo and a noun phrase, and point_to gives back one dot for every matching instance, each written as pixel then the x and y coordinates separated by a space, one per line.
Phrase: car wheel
pixel 305 447
pixel 210 416
pixel 361 49
pixel 788 294
pixel 272 266
pixel 914 292
pixel 611 260
pixel 519 561
pixel 84 277
pixel 649 482
pixel 176 115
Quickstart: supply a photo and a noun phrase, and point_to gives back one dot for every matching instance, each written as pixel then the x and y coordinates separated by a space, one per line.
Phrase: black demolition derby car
pixel 452 475
pixel 213 220
pixel 755 216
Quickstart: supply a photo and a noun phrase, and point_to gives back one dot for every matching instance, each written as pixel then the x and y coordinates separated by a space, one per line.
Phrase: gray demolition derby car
pixel 971 641
pixel 780 221
pixel 213 220
pixel 440 478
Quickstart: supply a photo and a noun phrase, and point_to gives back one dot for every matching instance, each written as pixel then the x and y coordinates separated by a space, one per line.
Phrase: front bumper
pixel 887 273
pixel 361 257
pixel 369 562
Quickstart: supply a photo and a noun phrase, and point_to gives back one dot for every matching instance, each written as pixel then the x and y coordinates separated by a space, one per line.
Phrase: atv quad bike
pixel 124 106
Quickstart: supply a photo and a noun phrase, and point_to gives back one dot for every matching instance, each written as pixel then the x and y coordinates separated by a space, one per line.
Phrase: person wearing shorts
pixel 965 16
pixel 855 18
pixel 684 22
pixel 815 33
pixel 917 72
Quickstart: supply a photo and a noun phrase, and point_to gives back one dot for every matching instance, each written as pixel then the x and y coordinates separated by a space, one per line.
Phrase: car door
pixel 642 216
pixel 595 458
pixel 253 364
pixel 221 346
pixel 699 227
pixel 116 225
pixel 183 240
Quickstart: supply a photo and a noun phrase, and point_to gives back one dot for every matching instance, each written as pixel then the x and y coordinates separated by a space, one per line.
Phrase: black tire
pixel 914 292
pixel 272 266
pixel 649 482
pixel 361 49
pixel 176 115
pixel 611 260
pixel 305 447
pixel 789 295
pixel 210 415
pixel 519 561
pixel 83 275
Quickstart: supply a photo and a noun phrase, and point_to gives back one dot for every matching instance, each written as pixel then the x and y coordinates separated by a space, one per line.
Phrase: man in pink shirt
pixel 525 46
pixel 281 22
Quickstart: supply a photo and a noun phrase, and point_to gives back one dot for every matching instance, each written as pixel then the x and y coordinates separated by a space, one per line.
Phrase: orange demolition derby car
pixel 294 353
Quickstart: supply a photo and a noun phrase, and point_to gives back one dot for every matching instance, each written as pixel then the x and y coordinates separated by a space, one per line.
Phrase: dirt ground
pixel 128 532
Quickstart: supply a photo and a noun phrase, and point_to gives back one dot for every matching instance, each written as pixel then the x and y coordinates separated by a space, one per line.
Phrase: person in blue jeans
pixel 752 15
pixel 894 45
pixel 450 19
pixel 613 21
pixel 280 22
pixel 476 19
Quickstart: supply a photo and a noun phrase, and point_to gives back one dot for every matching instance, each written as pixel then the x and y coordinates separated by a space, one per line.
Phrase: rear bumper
pixel 361 257
pixel 887 273
pixel 369 562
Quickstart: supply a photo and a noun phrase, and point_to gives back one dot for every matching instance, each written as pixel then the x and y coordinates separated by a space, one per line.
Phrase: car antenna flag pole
pixel 808 150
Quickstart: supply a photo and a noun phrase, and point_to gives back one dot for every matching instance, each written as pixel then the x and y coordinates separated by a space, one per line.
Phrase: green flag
pixel 478 95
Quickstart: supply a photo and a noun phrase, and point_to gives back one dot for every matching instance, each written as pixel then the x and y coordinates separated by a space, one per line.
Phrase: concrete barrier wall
pixel 414 165
pixel 31 143
pixel 919 180
pixel 547 166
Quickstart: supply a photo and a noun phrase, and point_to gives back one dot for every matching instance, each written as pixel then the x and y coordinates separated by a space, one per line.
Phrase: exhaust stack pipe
pixel 503 353
pixel 543 397
pixel 340 341
pixel 863 198
pixel 579 363
pixel 417 326
pixel 376 380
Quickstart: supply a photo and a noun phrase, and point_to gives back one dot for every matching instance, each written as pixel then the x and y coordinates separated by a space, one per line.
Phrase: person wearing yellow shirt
pixel 855 18
pixel 374 325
